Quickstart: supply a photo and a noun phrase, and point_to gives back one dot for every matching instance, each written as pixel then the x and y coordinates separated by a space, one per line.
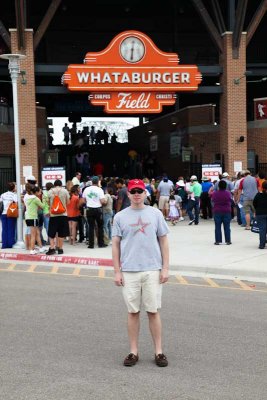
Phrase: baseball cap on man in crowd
pixel 225 175
pixel 193 178
pixel 31 179
pixel 136 184
pixel 95 180
pixel 205 178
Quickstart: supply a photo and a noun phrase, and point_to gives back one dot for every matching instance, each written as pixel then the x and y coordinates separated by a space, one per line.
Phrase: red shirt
pixel 73 206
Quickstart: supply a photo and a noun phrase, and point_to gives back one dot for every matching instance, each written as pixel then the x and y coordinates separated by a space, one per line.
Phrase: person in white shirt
pixel 76 180
pixel 95 199
pixel 8 224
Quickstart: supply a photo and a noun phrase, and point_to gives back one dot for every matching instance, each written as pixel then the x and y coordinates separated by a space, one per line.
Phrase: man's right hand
pixel 118 279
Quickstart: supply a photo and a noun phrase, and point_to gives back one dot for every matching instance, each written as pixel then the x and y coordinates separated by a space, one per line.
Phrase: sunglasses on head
pixel 134 191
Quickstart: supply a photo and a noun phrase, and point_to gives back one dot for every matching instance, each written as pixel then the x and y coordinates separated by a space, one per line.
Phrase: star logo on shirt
pixel 140 225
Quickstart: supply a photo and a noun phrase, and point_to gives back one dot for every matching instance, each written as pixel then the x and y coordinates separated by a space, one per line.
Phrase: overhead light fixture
pixel 218 83
pixel 237 80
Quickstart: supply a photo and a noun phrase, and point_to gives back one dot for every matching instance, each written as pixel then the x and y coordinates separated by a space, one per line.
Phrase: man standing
pixel 205 198
pixel 163 194
pixel 58 223
pixel 195 191
pixel 76 180
pixel 248 186
pixel 95 198
pixel 123 199
pixel 140 254
pixel 66 131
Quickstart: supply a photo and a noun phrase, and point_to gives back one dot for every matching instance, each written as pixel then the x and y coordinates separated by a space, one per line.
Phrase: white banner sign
pixel 211 171
pixel 50 174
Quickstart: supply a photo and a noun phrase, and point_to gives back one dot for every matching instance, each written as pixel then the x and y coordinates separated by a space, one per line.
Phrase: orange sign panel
pixel 132 76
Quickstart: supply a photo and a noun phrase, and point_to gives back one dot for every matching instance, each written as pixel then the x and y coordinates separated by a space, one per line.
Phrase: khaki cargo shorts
pixel 142 288
pixel 248 206
pixel 163 202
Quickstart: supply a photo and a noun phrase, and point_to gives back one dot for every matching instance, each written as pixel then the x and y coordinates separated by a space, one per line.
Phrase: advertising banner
pixel 131 75
pixel 50 174
pixel 211 171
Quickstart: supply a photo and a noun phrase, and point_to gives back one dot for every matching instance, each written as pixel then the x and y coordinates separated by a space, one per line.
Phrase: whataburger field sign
pixel 132 76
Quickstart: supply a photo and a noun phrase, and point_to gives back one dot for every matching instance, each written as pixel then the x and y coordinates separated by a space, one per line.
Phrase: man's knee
pixel 152 314
pixel 134 314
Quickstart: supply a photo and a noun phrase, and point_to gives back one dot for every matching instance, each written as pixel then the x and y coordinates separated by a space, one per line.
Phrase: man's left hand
pixel 164 276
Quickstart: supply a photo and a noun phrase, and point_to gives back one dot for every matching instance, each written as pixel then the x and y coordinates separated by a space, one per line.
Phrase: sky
pixel 111 124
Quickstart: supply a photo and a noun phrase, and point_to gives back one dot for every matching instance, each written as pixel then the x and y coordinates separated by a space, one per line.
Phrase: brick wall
pixel 27 103
pixel 233 104
pixel 7 146
pixel 202 136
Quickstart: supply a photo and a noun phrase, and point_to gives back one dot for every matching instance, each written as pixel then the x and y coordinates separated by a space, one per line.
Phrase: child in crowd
pixel 174 210
pixel 32 203
pixel 27 236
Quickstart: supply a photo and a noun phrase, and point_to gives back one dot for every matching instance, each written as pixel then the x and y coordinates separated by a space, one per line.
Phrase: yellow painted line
pixel 220 287
pixel 11 267
pixel 243 285
pixel 211 282
pixel 54 269
pixel 181 280
pixel 111 278
pixel 32 268
pixel 76 271
pixel 101 273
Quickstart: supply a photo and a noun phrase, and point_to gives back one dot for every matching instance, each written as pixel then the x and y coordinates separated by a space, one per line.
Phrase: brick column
pixel 27 104
pixel 233 109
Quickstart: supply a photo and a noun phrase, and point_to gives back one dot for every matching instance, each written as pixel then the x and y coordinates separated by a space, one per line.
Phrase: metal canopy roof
pixel 65 30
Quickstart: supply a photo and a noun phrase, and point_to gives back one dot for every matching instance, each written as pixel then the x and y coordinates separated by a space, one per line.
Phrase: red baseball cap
pixel 136 184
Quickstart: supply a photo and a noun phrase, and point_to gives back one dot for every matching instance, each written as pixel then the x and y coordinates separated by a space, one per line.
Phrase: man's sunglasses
pixel 134 191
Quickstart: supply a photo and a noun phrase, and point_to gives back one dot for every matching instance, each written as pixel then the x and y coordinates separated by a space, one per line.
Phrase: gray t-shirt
pixel 165 188
pixel 229 185
pixel 139 230
pixel 250 187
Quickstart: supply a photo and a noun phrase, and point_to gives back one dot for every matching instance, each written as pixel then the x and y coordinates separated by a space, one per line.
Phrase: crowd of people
pixel 87 207
pixel 87 136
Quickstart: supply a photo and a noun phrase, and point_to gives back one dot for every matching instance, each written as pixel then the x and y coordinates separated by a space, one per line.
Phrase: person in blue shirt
pixel 205 202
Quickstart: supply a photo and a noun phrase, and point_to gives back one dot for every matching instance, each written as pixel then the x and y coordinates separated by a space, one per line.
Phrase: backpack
pixel 12 210
pixel 57 206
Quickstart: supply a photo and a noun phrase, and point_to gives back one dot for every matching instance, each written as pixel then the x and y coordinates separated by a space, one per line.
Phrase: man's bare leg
pixel 60 242
pixel 247 216
pixel 155 329
pixel 133 331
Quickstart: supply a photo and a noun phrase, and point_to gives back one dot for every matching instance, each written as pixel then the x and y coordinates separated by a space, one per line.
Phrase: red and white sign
pixel 260 108
pixel 211 171
pixel 50 174
pixel 132 76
